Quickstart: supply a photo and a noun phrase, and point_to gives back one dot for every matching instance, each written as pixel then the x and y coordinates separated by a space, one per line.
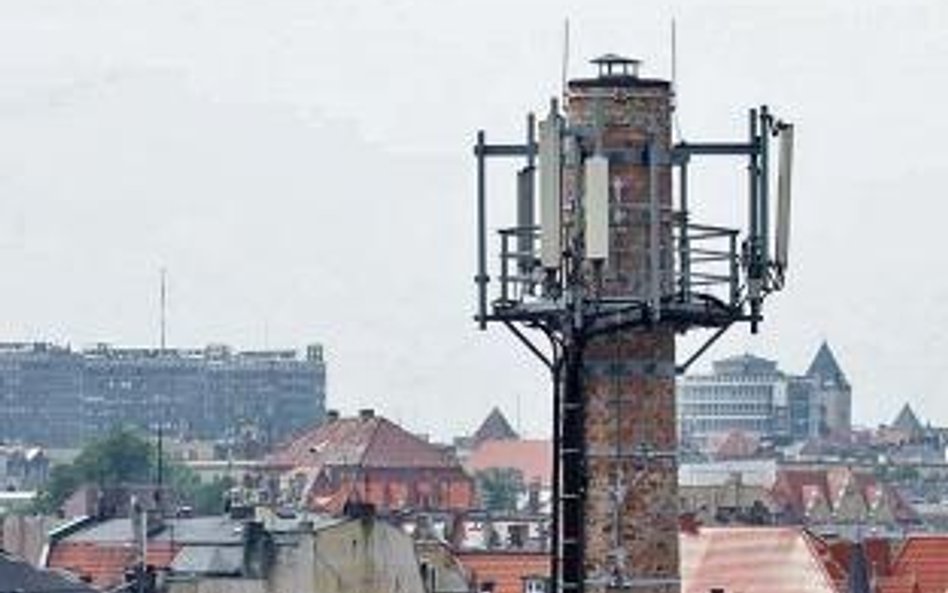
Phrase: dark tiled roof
pixel 908 422
pixel 18 575
pixel 373 442
pixel 825 367
pixel 494 428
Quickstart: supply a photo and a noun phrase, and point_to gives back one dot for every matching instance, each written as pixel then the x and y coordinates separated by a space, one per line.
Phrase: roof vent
pixel 616 66
pixel 332 415
pixel 366 413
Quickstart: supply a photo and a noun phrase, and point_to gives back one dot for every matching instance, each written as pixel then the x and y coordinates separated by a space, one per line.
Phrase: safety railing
pixel 706 264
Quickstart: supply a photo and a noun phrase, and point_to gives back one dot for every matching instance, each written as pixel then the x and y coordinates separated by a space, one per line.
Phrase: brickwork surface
pixel 628 378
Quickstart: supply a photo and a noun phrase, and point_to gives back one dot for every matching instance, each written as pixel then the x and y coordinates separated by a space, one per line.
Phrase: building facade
pixel 750 395
pixel 743 393
pixel 57 396
pixel 367 459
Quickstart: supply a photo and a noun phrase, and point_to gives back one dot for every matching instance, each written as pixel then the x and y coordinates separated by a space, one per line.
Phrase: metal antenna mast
pixel 564 71
pixel 612 272
pixel 163 304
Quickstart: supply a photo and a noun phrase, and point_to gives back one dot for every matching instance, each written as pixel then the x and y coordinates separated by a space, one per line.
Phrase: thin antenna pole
pixel 161 459
pixel 164 300
pixel 164 409
pixel 674 56
pixel 674 80
pixel 565 62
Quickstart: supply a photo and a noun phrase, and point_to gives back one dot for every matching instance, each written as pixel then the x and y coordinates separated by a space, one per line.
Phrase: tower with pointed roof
pixel 832 394
pixel 908 423
pixel 494 428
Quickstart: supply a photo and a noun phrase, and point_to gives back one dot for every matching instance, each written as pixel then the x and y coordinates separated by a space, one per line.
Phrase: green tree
pixel 121 457
pixel 124 457
pixel 208 498
pixel 63 481
pixel 499 488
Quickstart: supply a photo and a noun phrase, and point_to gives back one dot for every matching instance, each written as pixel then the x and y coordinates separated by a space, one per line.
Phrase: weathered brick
pixel 628 382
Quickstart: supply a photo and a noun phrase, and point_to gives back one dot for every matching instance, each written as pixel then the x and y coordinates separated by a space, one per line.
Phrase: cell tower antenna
pixel 609 294
pixel 674 56
pixel 564 71
pixel 674 79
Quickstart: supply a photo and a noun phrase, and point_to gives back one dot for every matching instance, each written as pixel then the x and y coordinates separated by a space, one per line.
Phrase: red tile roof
pixel 505 569
pixel 105 563
pixel 754 560
pixel 534 458
pixel 920 564
pixel 373 442
pixel 736 444
pixel 838 556
pixel 797 489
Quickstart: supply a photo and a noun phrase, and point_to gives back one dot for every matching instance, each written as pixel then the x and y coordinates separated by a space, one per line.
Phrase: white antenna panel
pixel 596 197
pixel 783 196
pixel 551 208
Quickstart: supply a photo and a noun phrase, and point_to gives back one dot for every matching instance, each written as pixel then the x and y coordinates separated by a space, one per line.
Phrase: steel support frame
pixel 570 326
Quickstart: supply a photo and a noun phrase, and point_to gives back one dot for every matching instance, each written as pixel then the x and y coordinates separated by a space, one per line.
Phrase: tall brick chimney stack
pixel 628 377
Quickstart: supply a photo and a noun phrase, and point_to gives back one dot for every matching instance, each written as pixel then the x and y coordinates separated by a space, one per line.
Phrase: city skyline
pixel 225 142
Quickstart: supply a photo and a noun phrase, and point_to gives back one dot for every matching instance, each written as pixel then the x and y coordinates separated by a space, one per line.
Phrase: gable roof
pixel 18 575
pixel 804 491
pixel 753 560
pixel 907 421
pixel 825 366
pixel 921 564
pixel 366 442
pixel 494 428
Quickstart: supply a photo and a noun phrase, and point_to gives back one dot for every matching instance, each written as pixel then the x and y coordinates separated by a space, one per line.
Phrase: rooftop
pixel 921 564
pixel 366 441
pixel 533 458
pixel 494 428
pixel 825 366
pixel 753 560
pixel 744 364
pixel 18 575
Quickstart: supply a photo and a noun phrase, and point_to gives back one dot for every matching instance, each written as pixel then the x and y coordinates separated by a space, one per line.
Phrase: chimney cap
pixel 332 415
pixel 366 413
pixel 615 65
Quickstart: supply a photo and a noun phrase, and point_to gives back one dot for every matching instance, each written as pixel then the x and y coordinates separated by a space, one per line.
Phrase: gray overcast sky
pixel 303 170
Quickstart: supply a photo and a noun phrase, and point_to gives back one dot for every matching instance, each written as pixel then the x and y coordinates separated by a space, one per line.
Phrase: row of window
pixel 716 409
pixel 692 426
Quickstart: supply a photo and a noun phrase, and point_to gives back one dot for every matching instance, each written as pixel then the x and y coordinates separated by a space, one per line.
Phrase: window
pixel 534 585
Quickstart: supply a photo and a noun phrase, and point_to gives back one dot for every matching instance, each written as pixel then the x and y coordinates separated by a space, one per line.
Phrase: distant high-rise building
pixel 743 393
pixel 750 394
pixel 60 397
